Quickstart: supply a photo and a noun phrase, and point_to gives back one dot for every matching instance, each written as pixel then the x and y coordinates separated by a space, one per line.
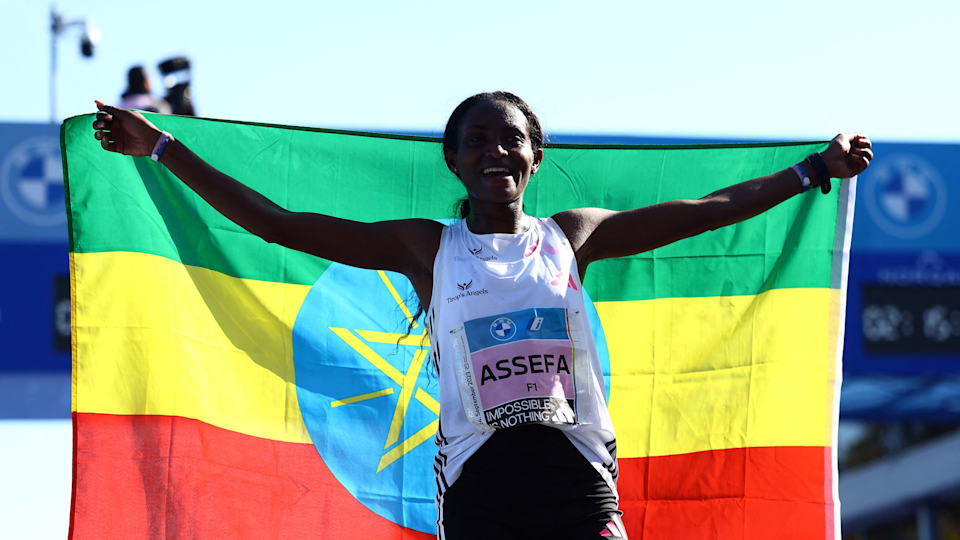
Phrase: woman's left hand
pixel 848 155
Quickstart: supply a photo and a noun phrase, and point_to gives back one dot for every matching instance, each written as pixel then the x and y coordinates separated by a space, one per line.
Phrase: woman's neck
pixel 486 218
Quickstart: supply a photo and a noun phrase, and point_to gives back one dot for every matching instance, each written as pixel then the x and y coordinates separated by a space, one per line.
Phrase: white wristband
pixel 805 182
pixel 161 145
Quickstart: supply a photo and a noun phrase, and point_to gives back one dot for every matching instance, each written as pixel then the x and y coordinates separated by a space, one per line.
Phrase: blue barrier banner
pixel 903 303
pixel 903 314
pixel 34 282
pixel 31 184
pixel 34 308
pixel 905 198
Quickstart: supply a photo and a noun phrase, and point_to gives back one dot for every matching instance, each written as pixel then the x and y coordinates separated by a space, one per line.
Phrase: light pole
pixel 88 40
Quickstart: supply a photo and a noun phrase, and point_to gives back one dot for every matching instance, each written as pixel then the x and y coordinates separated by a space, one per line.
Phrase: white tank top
pixel 511 343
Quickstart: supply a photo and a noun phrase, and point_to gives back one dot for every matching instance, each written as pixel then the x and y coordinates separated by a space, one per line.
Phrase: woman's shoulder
pixel 421 236
pixel 417 223
pixel 578 224
pixel 572 222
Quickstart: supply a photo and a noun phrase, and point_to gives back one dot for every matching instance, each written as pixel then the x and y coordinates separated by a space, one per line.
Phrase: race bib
pixel 518 368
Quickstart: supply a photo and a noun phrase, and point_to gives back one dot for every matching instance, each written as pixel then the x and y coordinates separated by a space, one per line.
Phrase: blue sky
pixel 754 69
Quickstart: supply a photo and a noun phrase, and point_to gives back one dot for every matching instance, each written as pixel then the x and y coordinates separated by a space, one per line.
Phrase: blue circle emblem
pixel 31 182
pixel 368 393
pixel 906 196
pixel 503 329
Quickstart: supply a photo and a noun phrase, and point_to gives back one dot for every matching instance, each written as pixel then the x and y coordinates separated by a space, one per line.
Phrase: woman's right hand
pixel 125 132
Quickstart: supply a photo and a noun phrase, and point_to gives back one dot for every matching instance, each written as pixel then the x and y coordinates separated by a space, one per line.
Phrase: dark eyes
pixel 510 139
pixel 473 139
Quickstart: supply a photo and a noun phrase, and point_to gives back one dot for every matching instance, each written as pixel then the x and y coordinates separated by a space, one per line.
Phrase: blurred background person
pixel 138 96
pixel 176 79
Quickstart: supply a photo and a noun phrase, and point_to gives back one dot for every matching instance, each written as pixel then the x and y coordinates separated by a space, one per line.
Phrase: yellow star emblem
pixel 358 339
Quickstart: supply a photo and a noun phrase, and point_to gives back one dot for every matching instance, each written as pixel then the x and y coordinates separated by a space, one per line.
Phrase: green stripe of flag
pixel 117 203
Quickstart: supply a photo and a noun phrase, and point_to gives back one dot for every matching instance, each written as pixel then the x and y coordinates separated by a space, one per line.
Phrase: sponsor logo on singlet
pixel 478 253
pixel 503 329
pixel 563 278
pixel 532 248
pixel 464 291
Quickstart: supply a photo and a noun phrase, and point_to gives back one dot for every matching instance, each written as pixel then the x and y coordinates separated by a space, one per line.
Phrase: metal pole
pixel 57 26
pixel 927 522
pixel 54 23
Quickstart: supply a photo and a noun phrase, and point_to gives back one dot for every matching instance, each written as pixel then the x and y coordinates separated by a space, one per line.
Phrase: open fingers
pixel 112 146
pixel 107 141
pixel 109 109
pixel 102 133
pixel 108 144
pixel 102 126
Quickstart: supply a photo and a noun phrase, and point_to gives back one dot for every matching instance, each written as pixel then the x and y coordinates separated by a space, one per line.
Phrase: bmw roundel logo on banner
pixel 368 393
pixel 905 196
pixel 31 182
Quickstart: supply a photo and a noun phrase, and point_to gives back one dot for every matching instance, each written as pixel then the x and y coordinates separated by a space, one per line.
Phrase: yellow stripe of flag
pixel 702 367
pixel 159 337
pixel 224 356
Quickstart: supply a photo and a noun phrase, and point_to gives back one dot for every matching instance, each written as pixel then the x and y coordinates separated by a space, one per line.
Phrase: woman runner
pixel 526 445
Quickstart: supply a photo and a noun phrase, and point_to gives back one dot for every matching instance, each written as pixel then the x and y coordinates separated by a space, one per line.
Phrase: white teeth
pixel 495 170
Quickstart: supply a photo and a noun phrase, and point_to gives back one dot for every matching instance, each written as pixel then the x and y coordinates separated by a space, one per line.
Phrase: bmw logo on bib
pixel 368 393
pixel 502 329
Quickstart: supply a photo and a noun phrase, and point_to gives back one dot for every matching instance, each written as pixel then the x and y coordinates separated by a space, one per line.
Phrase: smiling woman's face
pixel 495 157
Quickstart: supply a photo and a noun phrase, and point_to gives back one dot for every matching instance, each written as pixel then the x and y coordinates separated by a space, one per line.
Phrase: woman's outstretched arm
pixel 596 233
pixel 403 246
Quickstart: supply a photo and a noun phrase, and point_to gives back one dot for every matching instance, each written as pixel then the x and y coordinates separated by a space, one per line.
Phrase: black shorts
pixel 529 482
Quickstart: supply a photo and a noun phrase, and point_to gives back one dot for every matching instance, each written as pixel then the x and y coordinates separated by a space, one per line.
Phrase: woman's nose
pixel 497 150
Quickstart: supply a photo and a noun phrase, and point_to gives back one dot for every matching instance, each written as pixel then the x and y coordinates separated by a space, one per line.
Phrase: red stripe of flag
pixel 735 493
pixel 173 477
pixel 165 476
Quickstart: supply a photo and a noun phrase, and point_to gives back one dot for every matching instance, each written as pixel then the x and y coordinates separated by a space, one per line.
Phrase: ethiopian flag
pixel 225 387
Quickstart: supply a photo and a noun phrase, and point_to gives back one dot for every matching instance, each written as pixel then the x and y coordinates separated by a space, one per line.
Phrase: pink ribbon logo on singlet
pixel 558 280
